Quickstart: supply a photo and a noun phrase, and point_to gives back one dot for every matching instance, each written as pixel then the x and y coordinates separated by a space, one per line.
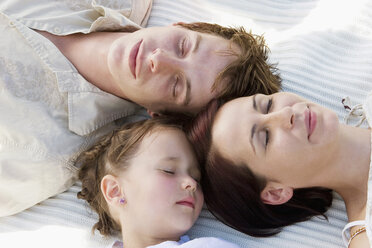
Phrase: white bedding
pixel 324 52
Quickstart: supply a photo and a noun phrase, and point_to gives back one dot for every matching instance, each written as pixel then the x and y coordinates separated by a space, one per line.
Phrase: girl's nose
pixel 189 184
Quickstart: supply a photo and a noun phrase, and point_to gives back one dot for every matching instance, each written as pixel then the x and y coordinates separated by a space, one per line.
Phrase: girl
pixel 142 180
pixel 279 164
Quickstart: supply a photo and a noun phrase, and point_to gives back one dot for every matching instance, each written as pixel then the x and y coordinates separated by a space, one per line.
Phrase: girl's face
pixel 161 188
pixel 282 137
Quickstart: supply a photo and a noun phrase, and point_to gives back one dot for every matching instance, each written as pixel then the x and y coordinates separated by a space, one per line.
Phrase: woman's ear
pixel 276 193
pixel 111 190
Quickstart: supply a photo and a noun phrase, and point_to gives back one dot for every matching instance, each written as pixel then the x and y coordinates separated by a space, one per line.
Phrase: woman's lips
pixel 133 58
pixel 310 121
pixel 313 121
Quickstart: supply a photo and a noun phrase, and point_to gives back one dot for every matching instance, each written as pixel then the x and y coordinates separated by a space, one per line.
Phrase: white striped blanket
pixel 324 52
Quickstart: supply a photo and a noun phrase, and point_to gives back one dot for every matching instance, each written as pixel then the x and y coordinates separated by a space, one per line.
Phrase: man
pixel 63 85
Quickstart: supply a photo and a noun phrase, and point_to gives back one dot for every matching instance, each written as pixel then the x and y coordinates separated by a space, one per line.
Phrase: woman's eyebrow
pixel 254 103
pixel 253 131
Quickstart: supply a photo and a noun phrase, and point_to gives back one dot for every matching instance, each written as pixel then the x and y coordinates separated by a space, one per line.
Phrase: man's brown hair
pixel 250 73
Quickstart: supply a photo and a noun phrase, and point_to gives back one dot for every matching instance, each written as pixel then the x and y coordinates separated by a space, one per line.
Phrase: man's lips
pixel 133 58
pixel 310 121
pixel 188 202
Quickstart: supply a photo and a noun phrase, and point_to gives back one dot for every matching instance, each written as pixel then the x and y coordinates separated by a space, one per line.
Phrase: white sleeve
pixel 61 17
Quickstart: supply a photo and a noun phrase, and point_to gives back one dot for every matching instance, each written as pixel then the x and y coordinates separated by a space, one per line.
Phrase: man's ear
pixel 111 189
pixel 276 193
pixel 177 23
pixel 153 114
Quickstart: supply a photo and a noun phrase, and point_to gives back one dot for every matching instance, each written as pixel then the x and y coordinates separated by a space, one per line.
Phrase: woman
pixel 272 160
pixel 143 180
pixel 64 84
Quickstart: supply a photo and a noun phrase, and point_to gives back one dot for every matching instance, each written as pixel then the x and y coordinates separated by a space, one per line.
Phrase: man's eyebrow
pixel 188 84
pixel 197 42
pixel 188 96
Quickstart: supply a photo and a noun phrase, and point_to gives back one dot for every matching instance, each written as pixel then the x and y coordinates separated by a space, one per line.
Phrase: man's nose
pixel 160 60
pixel 283 118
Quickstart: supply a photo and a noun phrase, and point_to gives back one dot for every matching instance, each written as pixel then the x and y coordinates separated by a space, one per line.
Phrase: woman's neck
pixel 348 176
pixel 88 53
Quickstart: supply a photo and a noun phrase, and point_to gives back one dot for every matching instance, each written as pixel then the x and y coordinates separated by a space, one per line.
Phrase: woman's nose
pixel 160 60
pixel 283 118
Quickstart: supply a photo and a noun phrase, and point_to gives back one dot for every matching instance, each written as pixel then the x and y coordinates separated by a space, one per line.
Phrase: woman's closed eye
pixel 267 132
pixel 267 138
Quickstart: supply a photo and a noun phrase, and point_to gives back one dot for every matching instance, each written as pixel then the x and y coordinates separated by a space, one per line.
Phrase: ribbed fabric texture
pixel 324 52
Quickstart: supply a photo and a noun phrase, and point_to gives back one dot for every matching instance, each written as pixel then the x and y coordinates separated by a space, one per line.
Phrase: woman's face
pixel 282 137
pixel 168 68
pixel 163 196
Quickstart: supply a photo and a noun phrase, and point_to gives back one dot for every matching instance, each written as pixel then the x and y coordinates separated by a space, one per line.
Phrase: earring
pixel 122 201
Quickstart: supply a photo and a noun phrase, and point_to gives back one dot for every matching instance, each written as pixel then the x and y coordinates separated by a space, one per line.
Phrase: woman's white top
pixel 49 112
pixel 362 112
pixel 367 107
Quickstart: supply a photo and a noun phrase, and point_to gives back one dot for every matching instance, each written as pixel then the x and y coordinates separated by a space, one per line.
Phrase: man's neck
pixel 88 53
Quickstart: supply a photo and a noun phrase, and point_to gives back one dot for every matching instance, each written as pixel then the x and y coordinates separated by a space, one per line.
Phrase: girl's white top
pixel 185 242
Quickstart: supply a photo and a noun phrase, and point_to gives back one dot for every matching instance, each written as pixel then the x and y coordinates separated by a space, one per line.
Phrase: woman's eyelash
pixel 269 104
pixel 267 139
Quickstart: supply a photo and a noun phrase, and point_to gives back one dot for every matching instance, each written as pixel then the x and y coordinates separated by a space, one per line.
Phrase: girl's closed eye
pixel 167 171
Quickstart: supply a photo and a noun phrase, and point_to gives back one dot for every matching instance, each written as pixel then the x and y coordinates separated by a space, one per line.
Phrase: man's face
pixel 168 68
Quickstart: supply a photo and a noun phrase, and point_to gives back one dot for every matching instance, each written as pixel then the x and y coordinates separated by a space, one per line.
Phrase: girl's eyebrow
pixel 170 158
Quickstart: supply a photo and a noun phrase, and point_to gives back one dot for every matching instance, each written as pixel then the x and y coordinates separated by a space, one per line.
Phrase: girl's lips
pixel 133 58
pixel 188 202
